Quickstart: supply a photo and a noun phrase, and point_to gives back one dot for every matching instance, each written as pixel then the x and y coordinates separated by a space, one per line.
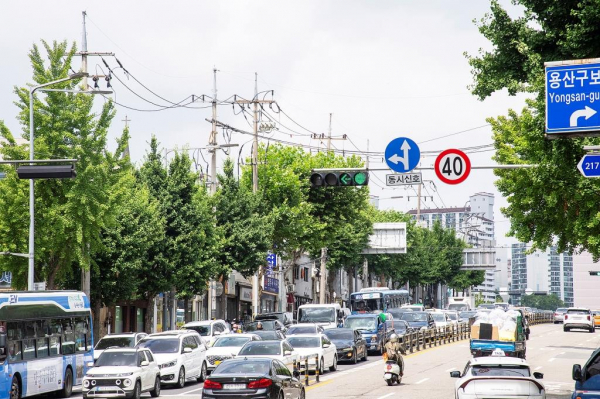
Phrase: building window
pixel 305 277
pixel 296 272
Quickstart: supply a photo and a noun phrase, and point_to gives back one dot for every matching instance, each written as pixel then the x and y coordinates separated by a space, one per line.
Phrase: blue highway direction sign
pixel 589 166
pixel 402 155
pixel 572 97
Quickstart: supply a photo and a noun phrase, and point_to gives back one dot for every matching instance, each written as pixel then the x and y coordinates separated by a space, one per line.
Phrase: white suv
pixel 181 355
pixel 122 372
pixel 120 340
pixel 208 328
pixel 578 318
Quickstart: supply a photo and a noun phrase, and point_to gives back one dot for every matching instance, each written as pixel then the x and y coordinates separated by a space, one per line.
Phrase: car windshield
pixel 414 316
pixel 361 323
pixel 261 349
pixel 467 314
pixel 117 359
pixel 561 310
pixel 578 311
pixel 301 330
pixel 316 315
pixel 452 316
pixel 243 368
pixel 266 325
pixel 231 341
pixel 400 326
pixel 498 370
pixel 121 342
pixel 396 313
pixel 338 333
pixel 305 342
pixel 169 345
pixel 202 330
pixel 438 317
pixel 268 335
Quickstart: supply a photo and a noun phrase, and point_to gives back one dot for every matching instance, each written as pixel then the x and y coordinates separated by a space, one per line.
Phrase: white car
pixel 315 346
pixel 208 328
pixel 120 340
pixel 227 347
pixel 498 376
pixel 122 372
pixel 579 318
pixel 304 328
pixel 280 350
pixel 441 319
pixel 181 355
pixel 453 316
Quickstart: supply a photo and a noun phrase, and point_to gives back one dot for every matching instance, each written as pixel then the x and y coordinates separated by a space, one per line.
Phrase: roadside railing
pixel 302 360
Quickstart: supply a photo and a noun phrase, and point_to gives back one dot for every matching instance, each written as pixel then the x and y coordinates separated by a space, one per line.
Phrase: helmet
pixel 394 338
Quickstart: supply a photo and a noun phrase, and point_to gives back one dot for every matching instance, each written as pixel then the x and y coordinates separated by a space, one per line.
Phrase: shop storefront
pixel 268 299
pixel 245 311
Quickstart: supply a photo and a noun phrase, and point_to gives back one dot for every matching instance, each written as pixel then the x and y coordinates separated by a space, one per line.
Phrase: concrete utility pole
pixel 212 140
pixel 329 134
pixel 255 102
pixel 323 278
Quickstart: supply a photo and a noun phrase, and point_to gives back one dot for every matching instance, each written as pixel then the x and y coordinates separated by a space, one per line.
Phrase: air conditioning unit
pixel 291 288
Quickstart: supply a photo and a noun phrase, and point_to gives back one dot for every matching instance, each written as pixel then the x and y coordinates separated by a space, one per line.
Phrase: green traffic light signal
pixel 594 273
pixel 361 178
pixel 343 179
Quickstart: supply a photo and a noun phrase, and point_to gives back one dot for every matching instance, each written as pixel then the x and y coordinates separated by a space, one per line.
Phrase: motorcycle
pixel 392 372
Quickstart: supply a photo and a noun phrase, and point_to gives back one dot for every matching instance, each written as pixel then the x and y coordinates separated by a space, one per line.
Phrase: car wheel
pixel 334 365
pixel 202 375
pixel 354 356
pixel 15 388
pixel 321 367
pixel 591 329
pixel 366 354
pixel 389 382
pixel 181 378
pixel 137 390
pixel 565 329
pixel 68 385
pixel 302 394
pixel 156 391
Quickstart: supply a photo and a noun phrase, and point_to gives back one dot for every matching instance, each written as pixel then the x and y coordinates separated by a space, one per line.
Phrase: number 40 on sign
pixel 452 166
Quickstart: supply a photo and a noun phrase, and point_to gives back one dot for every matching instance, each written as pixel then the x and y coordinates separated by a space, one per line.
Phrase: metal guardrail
pixel 304 359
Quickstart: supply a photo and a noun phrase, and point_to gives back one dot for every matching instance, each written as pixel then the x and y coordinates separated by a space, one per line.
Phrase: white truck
pixel 460 303
pixel 327 316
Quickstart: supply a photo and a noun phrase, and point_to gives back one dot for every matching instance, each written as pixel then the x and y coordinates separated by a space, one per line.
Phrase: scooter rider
pixel 394 351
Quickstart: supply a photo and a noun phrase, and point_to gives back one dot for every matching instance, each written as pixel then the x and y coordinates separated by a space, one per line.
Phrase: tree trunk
pixel 330 281
pixel 149 316
pixel 186 313
pixel 351 277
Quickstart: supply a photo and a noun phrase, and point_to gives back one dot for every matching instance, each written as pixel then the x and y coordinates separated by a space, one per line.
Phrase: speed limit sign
pixel 452 166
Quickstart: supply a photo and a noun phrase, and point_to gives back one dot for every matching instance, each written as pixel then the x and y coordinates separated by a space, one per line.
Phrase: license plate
pixel 105 388
pixel 234 386
pixel 387 376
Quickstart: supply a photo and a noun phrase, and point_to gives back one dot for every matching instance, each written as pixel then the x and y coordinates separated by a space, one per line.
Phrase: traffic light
pixel 337 179
pixel 594 273
pixel 46 172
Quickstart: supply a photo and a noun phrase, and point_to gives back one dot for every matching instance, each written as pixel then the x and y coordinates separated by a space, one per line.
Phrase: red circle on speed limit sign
pixel 452 166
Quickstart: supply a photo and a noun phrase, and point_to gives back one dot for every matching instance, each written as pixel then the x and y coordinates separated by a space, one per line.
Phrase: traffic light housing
pixel 46 172
pixel 339 179
pixel 594 273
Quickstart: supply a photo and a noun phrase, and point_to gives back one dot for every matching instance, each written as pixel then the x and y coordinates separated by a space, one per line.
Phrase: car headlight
pixel 373 338
pixel 124 374
pixel 126 382
pixel 170 364
pixel 86 383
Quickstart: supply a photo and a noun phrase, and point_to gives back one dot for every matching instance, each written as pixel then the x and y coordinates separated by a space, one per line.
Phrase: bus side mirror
pixel 577 372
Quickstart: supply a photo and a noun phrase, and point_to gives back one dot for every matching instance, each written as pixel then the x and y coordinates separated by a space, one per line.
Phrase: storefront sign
pixel 271 285
pixel 246 294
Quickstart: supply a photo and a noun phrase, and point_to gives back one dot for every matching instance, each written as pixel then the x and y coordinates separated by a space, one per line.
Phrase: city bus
pixel 377 299
pixel 46 342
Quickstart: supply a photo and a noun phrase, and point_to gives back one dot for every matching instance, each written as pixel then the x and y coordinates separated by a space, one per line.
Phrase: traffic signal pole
pixel 323 277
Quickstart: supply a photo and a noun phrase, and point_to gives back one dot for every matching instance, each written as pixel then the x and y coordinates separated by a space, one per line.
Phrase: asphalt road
pixel 550 351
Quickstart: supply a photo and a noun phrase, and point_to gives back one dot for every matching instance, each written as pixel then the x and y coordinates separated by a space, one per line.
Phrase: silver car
pixel 559 315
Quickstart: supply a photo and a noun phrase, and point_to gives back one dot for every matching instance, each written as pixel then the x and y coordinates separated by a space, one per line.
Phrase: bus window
pixel 81 331
pixel 68 337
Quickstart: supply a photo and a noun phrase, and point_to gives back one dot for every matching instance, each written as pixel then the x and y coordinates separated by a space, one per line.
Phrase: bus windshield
pixel 316 315
pixel 366 305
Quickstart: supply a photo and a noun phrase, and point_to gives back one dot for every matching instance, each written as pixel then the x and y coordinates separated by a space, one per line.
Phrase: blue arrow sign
pixel 572 97
pixel 402 155
pixel 589 166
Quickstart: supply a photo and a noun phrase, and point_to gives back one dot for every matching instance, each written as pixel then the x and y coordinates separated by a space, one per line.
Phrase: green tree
pixel 70 214
pixel 246 230
pixel 551 202
pixel 544 302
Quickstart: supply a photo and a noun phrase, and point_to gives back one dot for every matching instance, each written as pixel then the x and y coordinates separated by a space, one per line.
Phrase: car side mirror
pixel 538 375
pixel 187 349
pixel 287 353
pixel 296 374
pixel 455 374
pixel 577 372
pixel 145 363
pixel 325 345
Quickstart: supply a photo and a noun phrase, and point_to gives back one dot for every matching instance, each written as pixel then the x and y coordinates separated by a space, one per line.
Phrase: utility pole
pixel 323 277
pixel 329 135
pixel 255 102
pixel 212 140
pixel 86 274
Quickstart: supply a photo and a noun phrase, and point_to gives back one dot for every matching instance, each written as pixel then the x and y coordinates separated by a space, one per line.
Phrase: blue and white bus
pixel 377 299
pixel 46 342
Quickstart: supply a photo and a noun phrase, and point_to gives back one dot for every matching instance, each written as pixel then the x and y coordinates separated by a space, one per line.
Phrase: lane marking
pixel 386 396
pixel 450 369
pixel 423 380
pixel 320 384
pixel 191 390
pixel 538 367
pixel 551 359
pixel 562 353
pixel 579 344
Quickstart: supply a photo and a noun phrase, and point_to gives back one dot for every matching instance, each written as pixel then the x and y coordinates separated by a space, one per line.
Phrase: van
pixel 327 315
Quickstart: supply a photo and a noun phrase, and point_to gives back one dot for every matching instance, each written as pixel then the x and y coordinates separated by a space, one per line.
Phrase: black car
pixel 252 378
pixel 350 344
pixel 284 318
pixel 267 335
pixel 402 327
pixel 418 320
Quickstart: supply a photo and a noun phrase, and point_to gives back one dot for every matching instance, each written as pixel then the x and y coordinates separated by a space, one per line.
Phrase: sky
pixel 383 69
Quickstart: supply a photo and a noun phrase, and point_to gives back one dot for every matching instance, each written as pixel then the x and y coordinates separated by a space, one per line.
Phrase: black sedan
pixel 252 378
pixel 350 344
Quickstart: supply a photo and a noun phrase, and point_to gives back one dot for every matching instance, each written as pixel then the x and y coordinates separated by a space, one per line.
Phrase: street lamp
pixel 32 90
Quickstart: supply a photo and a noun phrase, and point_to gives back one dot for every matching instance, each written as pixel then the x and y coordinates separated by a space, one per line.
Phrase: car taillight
pixel 589 318
pixel 566 317
pixel 262 383
pixel 208 384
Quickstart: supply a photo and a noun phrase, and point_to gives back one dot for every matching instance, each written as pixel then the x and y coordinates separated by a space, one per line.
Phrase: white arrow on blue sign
pixel 572 97
pixel 589 166
pixel 402 155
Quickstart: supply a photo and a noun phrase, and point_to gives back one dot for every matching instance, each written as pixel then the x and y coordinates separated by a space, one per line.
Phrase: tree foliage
pixel 551 201
pixel 544 302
